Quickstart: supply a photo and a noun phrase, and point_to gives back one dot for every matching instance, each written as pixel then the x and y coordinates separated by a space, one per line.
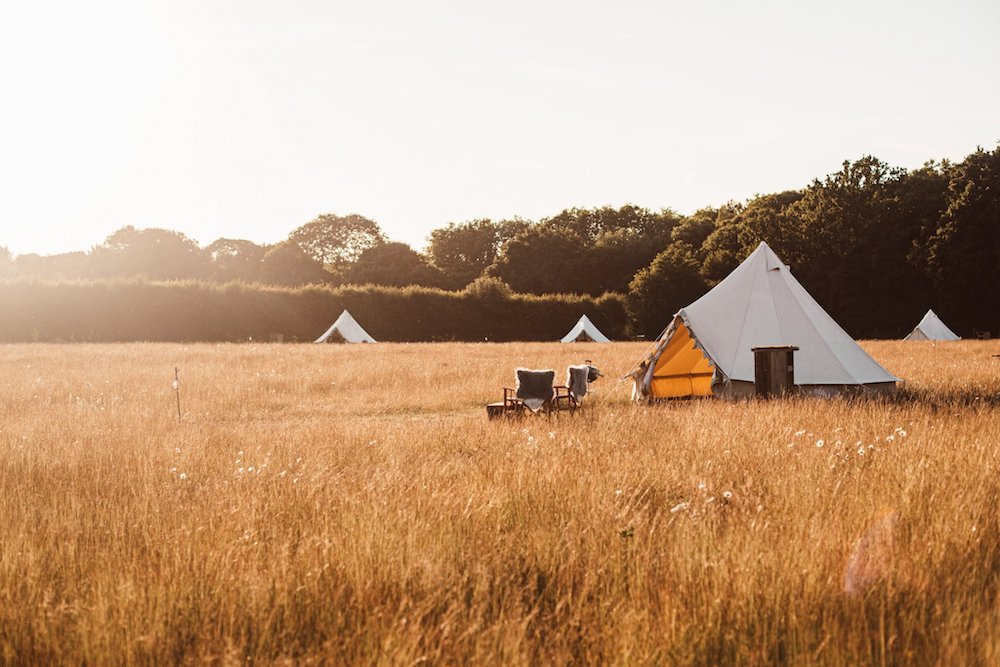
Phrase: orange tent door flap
pixel 682 369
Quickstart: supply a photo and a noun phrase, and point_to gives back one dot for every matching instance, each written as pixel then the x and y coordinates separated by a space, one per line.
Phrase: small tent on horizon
pixel 932 328
pixel 707 348
pixel 345 330
pixel 584 331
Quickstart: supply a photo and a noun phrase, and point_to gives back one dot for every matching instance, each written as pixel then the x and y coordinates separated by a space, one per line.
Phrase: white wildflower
pixel 861 451
pixel 820 442
pixel 727 494
pixel 183 476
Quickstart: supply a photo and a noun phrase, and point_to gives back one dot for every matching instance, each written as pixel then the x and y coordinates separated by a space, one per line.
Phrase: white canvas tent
pixel 932 328
pixel 585 331
pixel 706 349
pixel 345 330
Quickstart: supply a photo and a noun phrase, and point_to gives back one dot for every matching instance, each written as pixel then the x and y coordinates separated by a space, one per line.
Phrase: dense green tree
pixel 845 224
pixel 337 241
pixel 395 265
pixel 591 224
pixel 235 259
pixel 287 264
pixel 696 228
pixel 670 282
pixel 462 251
pixel 964 252
pixel 508 229
pixel 159 254
pixel 542 260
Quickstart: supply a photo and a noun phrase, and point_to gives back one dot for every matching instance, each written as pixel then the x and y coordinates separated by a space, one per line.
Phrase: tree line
pixel 123 310
pixel 874 244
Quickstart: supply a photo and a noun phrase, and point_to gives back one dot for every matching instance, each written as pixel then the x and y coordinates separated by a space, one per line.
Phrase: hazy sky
pixel 247 118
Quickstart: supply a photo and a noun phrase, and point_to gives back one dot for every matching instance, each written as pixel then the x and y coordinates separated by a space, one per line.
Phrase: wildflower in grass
pixel 173 470
pixel 702 487
pixel 861 451
pixel 552 435
pixel 890 438
pixel 177 450
pixel 250 469
pixel 727 495
pixel 820 443
pixel 183 476
pixel 618 492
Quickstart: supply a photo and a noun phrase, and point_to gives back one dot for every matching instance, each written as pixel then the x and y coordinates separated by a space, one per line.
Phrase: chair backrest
pixel 534 387
pixel 577 378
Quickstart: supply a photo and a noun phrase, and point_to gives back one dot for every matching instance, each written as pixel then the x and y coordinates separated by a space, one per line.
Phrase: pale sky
pixel 247 118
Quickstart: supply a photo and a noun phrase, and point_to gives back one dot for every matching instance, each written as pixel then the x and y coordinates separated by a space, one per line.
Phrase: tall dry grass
pixel 352 505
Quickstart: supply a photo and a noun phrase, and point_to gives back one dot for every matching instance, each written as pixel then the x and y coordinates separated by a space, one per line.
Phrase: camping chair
pixel 535 392
pixel 578 379
pixel 510 406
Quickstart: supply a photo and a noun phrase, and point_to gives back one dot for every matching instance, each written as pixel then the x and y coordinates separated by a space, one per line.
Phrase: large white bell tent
pixel 707 349
pixel 345 330
pixel 932 328
pixel 585 331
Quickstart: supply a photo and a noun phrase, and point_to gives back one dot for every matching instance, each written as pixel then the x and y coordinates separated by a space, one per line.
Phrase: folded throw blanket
pixel 576 379
pixel 534 387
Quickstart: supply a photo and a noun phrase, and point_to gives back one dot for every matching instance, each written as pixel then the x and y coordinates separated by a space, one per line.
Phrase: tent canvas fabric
pixel 706 350
pixel 345 329
pixel 932 328
pixel 585 331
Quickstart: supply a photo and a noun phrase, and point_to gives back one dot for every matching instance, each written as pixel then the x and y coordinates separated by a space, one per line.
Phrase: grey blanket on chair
pixel 576 380
pixel 534 387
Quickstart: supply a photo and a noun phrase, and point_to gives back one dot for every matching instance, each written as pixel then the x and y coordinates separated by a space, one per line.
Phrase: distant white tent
pixel 932 328
pixel 706 349
pixel 585 331
pixel 345 330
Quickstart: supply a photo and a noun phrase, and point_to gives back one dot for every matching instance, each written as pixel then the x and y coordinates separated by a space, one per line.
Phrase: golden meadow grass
pixel 351 504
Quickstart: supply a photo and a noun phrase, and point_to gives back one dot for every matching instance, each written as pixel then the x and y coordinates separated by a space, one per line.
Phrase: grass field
pixel 352 505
